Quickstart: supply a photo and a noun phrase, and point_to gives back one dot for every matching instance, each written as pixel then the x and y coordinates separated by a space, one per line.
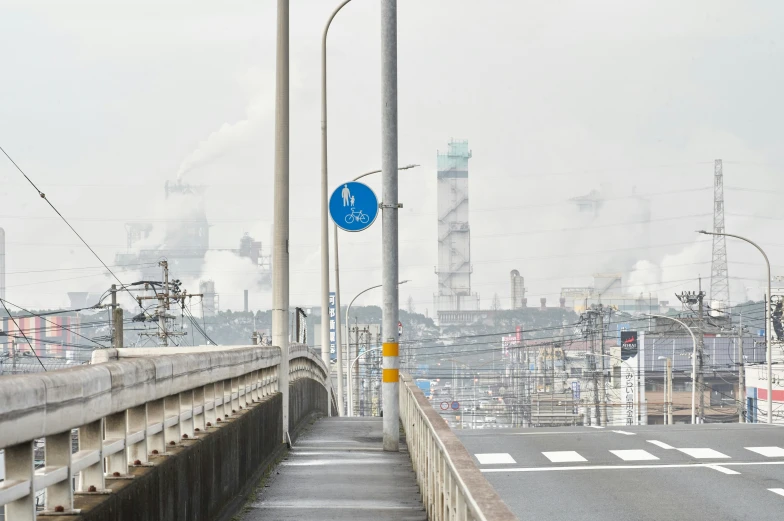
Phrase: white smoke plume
pixel 260 86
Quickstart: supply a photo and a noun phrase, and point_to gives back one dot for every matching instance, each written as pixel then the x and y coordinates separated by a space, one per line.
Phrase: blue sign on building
pixel 353 206
pixel 333 352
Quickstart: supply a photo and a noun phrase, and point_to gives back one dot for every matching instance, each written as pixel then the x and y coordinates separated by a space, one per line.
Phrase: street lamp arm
pixel 741 238
pixel 360 176
pixel 693 364
pixel 361 355
pixel 768 319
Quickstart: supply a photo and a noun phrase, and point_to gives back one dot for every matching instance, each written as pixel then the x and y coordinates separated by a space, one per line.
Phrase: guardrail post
pixel 210 405
pixel 91 440
pixel 116 427
pixel 19 467
pixel 186 414
pixel 200 405
pixel 245 390
pixel 137 427
pixel 226 406
pixel 58 454
pixel 235 389
pixel 155 416
pixel 254 386
pixel 171 420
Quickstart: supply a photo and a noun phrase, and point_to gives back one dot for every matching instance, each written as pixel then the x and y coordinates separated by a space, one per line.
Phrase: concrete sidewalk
pixel 338 471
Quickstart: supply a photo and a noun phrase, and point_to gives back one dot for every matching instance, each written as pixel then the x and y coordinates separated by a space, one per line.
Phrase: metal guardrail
pixel 452 486
pixel 137 403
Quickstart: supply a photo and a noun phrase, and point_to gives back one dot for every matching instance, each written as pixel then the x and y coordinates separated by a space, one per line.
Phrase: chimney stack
pixel 543 303
pixel 246 301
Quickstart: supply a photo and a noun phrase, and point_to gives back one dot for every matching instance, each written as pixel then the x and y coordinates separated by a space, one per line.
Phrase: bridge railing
pixel 452 486
pixel 139 402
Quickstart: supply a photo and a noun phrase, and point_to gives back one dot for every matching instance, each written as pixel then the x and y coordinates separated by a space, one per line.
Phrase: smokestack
pixel 2 263
pixel 543 303
pixel 525 302
pixel 246 301
pixel 563 302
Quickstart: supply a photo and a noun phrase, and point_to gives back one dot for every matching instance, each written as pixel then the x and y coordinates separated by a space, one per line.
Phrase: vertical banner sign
pixel 518 332
pixel 333 352
pixel 629 352
pixel 576 395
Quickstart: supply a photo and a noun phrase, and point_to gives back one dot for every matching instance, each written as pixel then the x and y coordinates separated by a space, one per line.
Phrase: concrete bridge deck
pixel 338 471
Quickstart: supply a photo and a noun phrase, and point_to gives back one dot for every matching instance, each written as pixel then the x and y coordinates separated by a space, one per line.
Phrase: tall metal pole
pixel 280 241
pixel 768 321
pixel 693 363
pixel 741 373
pixel 338 333
pixel 389 240
pixel 325 355
pixel 669 391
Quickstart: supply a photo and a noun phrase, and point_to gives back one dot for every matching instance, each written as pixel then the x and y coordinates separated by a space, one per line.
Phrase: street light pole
pixel 350 409
pixel 768 324
pixel 693 363
pixel 325 355
pixel 280 243
pixel 389 235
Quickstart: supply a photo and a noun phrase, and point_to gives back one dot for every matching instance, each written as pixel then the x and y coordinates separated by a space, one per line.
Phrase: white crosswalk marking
pixel 661 444
pixel 724 470
pixel 625 432
pixel 779 491
pixel 634 455
pixel 563 456
pixel 703 453
pixel 768 452
pixel 498 458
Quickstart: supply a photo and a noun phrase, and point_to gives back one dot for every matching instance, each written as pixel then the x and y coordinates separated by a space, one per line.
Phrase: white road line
pixel 703 453
pixel 499 458
pixel 768 452
pixel 723 469
pixel 625 432
pixel 661 444
pixel 634 455
pixel 596 426
pixel 563 456
pixel 635 467
pixel 779 491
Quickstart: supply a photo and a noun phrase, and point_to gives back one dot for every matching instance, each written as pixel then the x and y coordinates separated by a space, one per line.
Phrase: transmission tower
pixel 720 286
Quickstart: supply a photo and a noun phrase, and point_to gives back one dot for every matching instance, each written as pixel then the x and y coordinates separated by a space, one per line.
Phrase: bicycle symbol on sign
pixel 357 215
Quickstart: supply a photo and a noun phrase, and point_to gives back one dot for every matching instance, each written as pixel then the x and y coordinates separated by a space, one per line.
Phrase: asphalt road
pixel 714 472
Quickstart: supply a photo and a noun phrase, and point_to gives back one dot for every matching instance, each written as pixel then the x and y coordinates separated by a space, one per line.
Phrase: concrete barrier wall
pixel 209 478
pixel 306 398
pixel 204 479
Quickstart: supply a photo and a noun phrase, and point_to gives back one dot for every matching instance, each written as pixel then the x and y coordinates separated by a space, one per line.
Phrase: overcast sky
pixel 101 102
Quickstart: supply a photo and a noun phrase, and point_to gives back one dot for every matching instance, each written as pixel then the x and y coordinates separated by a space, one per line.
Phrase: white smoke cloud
pixel 260 85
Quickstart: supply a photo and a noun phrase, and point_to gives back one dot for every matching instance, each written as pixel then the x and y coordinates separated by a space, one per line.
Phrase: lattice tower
pixel 720 287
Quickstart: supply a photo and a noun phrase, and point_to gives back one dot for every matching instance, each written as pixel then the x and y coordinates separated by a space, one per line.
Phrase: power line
pixel 43 196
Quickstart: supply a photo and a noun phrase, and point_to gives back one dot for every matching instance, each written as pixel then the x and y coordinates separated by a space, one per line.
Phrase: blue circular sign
pixel 353 206
pixel 455 405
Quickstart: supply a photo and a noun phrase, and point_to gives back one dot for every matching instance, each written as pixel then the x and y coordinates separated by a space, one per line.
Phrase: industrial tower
pixel 454 235
pixel 720 286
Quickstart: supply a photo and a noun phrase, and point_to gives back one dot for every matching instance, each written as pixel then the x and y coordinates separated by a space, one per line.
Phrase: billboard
pixel 629 344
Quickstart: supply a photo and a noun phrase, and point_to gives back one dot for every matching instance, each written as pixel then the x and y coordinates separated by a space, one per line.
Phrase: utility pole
pixel 690 298
pixel 603 376
pixel 668 399
pixel 741 373
pixel 389 230
pixel 280 241
pixel 597 411
pixel 701 359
